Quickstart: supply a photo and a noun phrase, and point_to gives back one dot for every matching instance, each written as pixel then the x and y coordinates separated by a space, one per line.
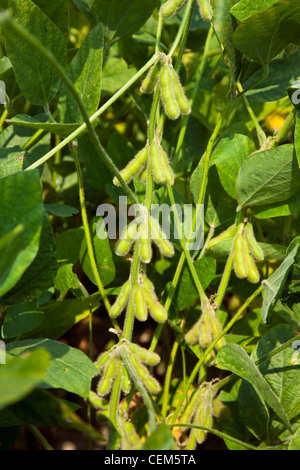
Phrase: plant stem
pixel 181 31
pixel 210 347
pixel 260 133
pixel 42 440
pixel 113 407
pixel 284 130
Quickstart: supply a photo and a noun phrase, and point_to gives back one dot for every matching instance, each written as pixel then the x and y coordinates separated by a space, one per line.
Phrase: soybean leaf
pixel 11 160
pixel 37 80
pixel 103 255
pixel 272 175
pixel 243 9
pixel 57 128
pixel 69 368
pixel 25 187
pixel 297 138
pixel 160 439
pixel 85 6
pixel 65 279
pixel 68 245
pixel 280 209
pixel 187 293
pixel 295 441
pixel 281 374
pixel 233 357
pixel 253 410
pixel 274 284
pixel 282 73
pixel 40 274
pixel 20 319
pixel 10 244
pixel 115 73
pixel 122 17
pixel 263 35
pixel 224 25
pixel 85 73
pixel 57 11
pixel 61 210
pixel 235 145
pixel 20 375
pixel 59 317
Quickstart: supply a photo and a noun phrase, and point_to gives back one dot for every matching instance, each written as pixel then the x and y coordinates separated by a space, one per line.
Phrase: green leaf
pixel 243 9
pixel 61 210
pixel 221 250
pixel 68 245
pixel 37 80
pixel 53 127
pixel 263 35
pixel 279 371
pixel 272 175
pixel 103 255
pixel 187 293
pixel 253 410
pixel 57 11
pixel 235 145
pixel 160 439
pixel 295 441
pixel 85 73
pixel 9 249
pixel 234 358
pixel 20 375
pixel 65 279
pixel 20 319
pixel 274 284
pixel 297 138
pixel 122 17
pixel 282 73
pixel 69 368
pixel 40 274
pixel 61 316
pixel 19 187
pixel 115 74
pixel 279 209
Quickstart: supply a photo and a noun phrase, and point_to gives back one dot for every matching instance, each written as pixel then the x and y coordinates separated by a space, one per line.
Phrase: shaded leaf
pixel 20 319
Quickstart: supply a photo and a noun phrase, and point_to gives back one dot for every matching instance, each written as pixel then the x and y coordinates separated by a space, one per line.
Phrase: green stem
pixel 42 440
pixel 3 117
pixel 87 233
pixel 223 435
pixel 284 130
pixel 165 397
pixel 181 31
pixel 260 133
pixel 210 347
pixel 113 408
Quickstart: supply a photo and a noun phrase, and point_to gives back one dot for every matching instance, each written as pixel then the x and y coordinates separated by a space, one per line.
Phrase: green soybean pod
pixel 192 336
pixel 148 284
pixel 216 330
pixel 164 246
pixel 126 382
pixel 107 377
pixel 206 10
pixel 167 93
pixel 134 167
pixel 151 79
pixel 141 370
pixel 130 438
pixel 102 360
pixel 149 357
pixel 140 306
pixel 253 274
pixel 205 329
pixel 203 415
pixel 253 245
pixel 152 384
pixel 183 102
pixel 168 172
pixel 240 266
pixel 145 250
pixel 171 7
pixel 226 235
pixel 190 408
pixel 158 313
pixel 126 240
pixel 155 161
pixel 121 300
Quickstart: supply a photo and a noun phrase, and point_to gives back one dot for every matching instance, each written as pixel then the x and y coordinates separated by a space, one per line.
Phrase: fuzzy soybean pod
pixel 145 250
pixel 216 330
pixel 158 165
pixel 107 377
pixel 156 310
pixel 205 329
pixel 121 300
pixel 134 167
pixel 130 438
pixel 192 336
pixel 171 7
pixel 102 360
pixel 167 93
pixel 190 408
pixel 149 381
pixel 151 79
pixel 126 382
pixel 253 245
pixel 127 238
pixel 203 415
pixel 226 235
pixel 139 301
pixel 148 357
pixel 158 236
pixel 206 10
pixel 183 102
pixel 253 274
pixel 241 268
